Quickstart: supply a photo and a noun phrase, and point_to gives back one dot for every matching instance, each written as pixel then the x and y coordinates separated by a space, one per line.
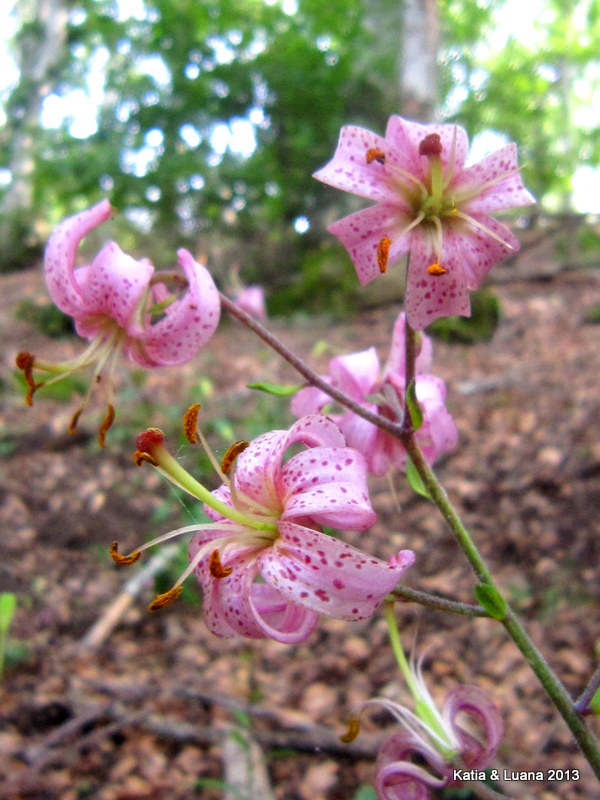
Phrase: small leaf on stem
pixel 491 599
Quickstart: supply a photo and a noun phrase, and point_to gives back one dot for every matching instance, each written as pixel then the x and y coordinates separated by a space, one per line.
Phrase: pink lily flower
pixel 429 205
pixel 442 743
pixel 120 305
pixel 252 300
pixel 439 739
pixel 359 376
pixel 266 523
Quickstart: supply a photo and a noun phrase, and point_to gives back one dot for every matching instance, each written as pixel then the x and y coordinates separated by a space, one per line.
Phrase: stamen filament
pixel 171 468
pixel 468 218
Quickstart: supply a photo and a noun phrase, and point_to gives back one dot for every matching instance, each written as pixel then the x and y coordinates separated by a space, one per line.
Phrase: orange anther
pixel 123 561
pixel 106 423
pixel 383 252
pixel 216 568
pixel 375 154
pixel 74 421
pixel 190 423
pixel 25 361
pixel 436 269
pixel 353 730
pixel 165 599
pixel 231 455
pixel 140 457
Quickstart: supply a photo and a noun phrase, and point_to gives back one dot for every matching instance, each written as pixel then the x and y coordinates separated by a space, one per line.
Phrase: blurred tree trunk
pixel 38 49
pixel 418 59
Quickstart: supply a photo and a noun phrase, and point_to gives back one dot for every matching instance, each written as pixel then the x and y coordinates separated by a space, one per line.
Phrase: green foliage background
pixel 298 77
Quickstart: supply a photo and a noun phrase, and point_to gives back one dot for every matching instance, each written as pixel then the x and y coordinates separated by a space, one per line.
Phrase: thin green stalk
pixel 549 680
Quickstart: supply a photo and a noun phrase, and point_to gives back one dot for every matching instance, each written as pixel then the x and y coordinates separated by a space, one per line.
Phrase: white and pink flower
pixel 121 305
pixel 429 205
pixel 359 376
pixel 266 567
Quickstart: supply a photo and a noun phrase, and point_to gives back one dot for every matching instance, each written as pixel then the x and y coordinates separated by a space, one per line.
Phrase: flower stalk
pixel 548 679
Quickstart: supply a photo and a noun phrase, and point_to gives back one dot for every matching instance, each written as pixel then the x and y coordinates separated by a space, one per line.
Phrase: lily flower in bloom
pixel 465 734
pixel 359 376
pixel 428 204
pixel 266 525
pixel 120 305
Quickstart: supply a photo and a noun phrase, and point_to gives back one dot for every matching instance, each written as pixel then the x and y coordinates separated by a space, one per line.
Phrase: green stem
pixel 389 611
pixel 553 686
pixel 411 595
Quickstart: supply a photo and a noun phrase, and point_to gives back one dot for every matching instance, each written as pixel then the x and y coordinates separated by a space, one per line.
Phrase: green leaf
pixel 8 605
pixel 414 479
pixel 414 409
pixel 491 599
pixel 280 390
pixel 595 702
pixel 365 793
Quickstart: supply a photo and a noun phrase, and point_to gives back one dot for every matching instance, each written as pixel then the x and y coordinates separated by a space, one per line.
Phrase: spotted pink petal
pixel 405 136
pixel 258 467
pixel 110 288
pixel 477 253
pixel 327 575
pixel 237 606
pixel 507 192
pixel 348 170
pixel 188 324
pixel 59 257
pixel 327 485
pixel 361 232
pixel 474 702
pixel 429 297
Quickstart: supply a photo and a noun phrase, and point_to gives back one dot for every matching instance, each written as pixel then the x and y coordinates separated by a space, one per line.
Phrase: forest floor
pixel 153 705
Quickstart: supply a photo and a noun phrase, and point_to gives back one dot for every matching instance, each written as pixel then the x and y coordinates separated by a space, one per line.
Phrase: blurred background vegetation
pixel 202 121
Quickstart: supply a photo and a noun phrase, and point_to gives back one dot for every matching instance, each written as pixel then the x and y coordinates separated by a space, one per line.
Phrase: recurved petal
pixel 362 231
pixel 494 183
pixel 474 702
pixel 327 575
pixel 396 361
pixel 356 373
pixel 349 170
pixel 329 485
pixel 398 778
pixel 309 400
pixel 188 323
pixel 111 287
pixel 59 257
pixel 235 605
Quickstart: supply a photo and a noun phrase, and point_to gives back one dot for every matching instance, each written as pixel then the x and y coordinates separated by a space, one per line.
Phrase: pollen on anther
pixel 140 457
pixel 25 361
pixel 165 599
pixel 436 269
pixel 123 561
pixel 106 423
pixel 353 730
pixel 375 154
pixel 383 252
pixel 190 423
pixel 74 420
pixel 231 455
pixel 216 568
